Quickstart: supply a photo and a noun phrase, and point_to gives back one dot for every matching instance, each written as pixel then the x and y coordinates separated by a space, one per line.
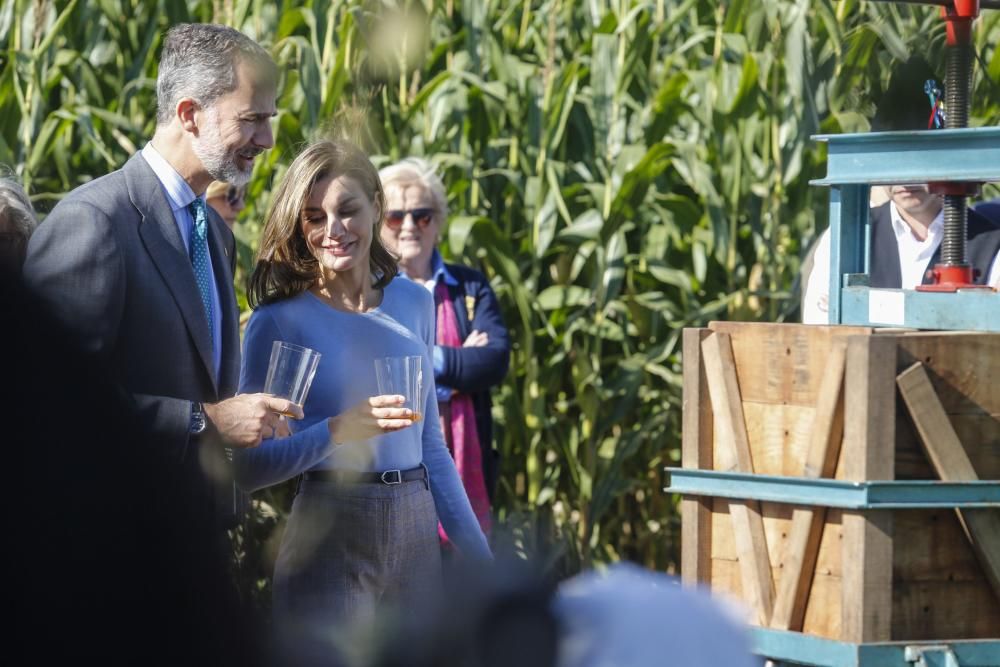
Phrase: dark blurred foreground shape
pixel 486 617
pixel 111 562
pixel 630 616
pixel 624 616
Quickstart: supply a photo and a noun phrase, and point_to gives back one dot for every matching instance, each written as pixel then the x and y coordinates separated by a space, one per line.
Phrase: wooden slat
pixel 980 433
pixel 807 523
pixel 779 436
pixel 941 610
pixel 937 579
pixel 963 368
pixel 781 364
pixel 940 442
pixel 869 444
pixel 748 524
pixel 952 464
pixel 823 610
pixel 696 452
pixel 967 364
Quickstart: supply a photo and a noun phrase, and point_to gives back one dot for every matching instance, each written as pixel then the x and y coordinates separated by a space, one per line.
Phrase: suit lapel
pixel 884 270
pixel 221 266
pixel 165 246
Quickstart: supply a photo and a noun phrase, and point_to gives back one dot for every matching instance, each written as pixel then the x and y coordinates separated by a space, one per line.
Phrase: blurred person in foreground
pixel 471 347
pixel 140 271
pixel 374 478
pixel 500 616
pixel 17 222
pixel 906 231
pixel 112 561
pixel 627 615
pixel 622 616
pixel 227 200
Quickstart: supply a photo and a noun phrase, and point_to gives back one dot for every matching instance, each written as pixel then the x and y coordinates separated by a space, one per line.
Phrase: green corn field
pixel 620 169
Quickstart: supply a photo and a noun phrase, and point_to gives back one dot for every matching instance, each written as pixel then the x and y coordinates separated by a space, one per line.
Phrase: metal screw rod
pixel 956 96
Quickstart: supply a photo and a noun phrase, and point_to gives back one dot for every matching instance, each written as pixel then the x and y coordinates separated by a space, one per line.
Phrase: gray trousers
pixel 347 550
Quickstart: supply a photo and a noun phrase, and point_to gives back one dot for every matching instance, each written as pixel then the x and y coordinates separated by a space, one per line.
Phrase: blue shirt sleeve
pixel 443 392
pixel 276 459
pixel 438 359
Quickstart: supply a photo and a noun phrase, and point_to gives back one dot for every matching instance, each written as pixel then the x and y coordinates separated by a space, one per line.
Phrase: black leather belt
pixel 389 477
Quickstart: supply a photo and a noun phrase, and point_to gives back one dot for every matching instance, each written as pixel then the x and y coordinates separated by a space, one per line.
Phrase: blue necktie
pixel 198 250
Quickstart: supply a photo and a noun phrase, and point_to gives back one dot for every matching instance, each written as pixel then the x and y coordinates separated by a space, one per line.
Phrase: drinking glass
pixel 403 376
pixel 290 372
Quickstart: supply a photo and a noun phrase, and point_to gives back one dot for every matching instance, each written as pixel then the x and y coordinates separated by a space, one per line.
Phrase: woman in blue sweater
pixel 374 481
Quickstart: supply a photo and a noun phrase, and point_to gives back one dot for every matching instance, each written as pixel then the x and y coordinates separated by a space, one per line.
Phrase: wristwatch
pixel 198 421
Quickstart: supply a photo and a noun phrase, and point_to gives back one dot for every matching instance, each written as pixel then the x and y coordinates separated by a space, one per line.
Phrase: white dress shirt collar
pixel 915 255
pixel 179 193
pixel 902 228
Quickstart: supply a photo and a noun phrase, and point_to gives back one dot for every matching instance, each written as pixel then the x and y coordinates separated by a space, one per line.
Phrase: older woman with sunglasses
pixel 472 350
pixel 227 200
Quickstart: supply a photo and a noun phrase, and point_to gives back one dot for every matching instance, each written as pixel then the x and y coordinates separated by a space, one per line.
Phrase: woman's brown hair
pixel 285 267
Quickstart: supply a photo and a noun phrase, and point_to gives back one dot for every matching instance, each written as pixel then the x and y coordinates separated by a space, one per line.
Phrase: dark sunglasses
pixel 421 216
pixel 234 195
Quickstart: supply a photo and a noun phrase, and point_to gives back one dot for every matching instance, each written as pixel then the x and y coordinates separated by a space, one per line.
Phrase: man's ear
pixel 185 111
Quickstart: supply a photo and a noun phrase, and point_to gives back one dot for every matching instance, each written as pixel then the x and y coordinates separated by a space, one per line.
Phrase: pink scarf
pixel 458 422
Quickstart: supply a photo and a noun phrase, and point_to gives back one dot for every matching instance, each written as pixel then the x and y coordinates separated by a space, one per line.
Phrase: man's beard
pixel 218 161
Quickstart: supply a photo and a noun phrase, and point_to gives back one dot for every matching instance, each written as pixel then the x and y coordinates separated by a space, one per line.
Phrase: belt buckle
pixel 394 477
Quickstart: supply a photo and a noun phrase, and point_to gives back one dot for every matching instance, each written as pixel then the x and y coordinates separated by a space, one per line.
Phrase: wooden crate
pixel 879 575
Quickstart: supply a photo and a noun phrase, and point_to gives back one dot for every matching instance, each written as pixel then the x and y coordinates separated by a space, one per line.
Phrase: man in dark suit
pixel 140 270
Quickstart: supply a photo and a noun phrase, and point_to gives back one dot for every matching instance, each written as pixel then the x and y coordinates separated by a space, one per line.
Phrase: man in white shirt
pixel 906 231
pixel 912 221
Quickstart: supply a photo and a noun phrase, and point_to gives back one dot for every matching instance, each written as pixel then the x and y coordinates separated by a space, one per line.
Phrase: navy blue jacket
pixel 990 210
pixel 475 370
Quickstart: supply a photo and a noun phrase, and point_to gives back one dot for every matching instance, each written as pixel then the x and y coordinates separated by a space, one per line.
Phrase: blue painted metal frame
pixel 966 155
pixel 971 309
pixel 849 241
pixel 856 161
pixel 869 495
pixel 796 648
pixel 799 649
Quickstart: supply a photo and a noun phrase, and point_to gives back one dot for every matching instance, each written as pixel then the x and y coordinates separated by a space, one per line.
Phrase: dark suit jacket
pixel 983 238
pixel 990 210
pixel 475 370
pixel 110 265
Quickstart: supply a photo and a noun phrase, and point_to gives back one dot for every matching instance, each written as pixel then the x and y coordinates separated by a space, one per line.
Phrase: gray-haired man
pixel 141 270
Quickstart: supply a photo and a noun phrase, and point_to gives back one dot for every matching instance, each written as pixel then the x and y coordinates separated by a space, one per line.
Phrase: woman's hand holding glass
pixel 369 418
